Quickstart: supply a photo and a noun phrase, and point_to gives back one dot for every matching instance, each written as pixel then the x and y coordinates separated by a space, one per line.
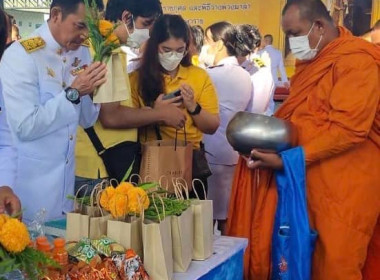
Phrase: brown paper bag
pixel 117 86
pixel 80 224
pixel 182 233
pixel 157 242
pixel 203 227
pixel 127 233
pixel 170 158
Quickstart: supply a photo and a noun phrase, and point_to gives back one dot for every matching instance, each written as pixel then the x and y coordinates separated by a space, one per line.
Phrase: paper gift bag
pixel 127 233
pixel 170 158
pixel 182 240
pixel 157 243
pixel 203 227
pixel 80 224
pixel 117 86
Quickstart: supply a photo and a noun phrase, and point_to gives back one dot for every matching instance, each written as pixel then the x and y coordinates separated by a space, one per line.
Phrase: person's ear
pixel 55 14
pixel 219 45
pixel 321 26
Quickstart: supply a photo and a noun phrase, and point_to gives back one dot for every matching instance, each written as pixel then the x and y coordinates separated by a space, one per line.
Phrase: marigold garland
pixel 14 236
pixel 124 188
pixel 137 198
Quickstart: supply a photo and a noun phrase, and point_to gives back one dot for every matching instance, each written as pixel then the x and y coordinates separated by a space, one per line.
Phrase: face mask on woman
pixel 137 37
pixel 206 58
pixel 300 46
pixel 170 60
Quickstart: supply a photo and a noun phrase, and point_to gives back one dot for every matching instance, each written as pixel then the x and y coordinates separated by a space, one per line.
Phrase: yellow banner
pixel 205 13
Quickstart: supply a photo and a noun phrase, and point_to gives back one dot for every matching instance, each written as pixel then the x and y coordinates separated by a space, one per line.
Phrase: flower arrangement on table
pixel 125 199
pixel 105 47
pixel 16 252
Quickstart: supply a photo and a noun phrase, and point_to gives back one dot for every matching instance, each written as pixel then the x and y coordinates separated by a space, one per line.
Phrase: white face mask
pixel 300 46
pixel 170 60
pixel 206 58
pixel 138 37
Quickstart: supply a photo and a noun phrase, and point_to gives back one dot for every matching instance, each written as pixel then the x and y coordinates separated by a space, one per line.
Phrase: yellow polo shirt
pixel 204 94
pixel 88 163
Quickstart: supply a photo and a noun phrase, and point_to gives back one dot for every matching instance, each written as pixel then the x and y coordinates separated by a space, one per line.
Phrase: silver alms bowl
pixel 247 131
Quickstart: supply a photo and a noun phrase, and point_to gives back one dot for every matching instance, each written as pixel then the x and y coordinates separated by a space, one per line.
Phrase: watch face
pixel 72 94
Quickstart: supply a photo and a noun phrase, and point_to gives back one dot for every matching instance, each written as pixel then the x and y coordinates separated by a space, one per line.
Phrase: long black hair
pixel 151 79
pixel 3 31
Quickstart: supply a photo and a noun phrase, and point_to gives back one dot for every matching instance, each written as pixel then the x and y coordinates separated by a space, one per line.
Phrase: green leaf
pixel 129 171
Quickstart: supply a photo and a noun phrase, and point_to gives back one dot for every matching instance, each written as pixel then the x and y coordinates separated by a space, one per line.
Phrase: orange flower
pixel 105 28
pixel 118 205
pixel 106 196
pixel 14 236
pixel 124 188
pixel 3 219
pixel 137 199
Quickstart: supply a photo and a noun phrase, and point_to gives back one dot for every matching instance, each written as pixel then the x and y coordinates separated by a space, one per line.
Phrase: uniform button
pixel 67 161
pixel 64 60
pixel 63 85
pixel 71 137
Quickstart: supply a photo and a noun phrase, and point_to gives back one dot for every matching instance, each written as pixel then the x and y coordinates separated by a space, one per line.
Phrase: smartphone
pixel 173 94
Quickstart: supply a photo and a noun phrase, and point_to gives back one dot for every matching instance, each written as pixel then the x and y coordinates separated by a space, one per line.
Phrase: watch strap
pixel 196 111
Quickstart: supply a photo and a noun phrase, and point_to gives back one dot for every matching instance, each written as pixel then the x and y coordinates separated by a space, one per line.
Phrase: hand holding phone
pixel 172 95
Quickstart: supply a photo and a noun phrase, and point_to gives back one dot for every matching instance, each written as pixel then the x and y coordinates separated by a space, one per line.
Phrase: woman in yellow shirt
pixel 166 67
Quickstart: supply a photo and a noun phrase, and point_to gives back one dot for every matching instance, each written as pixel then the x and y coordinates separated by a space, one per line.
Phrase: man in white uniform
pixel 46 82
pixel 274 57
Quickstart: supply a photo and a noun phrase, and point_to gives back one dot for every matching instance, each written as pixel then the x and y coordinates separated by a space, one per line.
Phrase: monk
pixel 334 103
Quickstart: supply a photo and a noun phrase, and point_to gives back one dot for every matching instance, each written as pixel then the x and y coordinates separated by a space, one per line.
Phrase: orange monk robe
pixel 334 103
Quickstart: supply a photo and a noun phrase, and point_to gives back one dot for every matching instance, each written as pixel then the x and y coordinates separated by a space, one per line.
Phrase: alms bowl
pixel 247 131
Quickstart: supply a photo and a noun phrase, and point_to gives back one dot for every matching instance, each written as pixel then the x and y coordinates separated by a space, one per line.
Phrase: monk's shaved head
pixel 310 10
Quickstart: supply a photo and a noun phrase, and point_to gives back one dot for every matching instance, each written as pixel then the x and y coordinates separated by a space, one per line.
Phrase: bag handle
pixel 155 206
pixel 195 191
pixel 139 179
pixel 76 196
pixel 183 185
pixel 159 136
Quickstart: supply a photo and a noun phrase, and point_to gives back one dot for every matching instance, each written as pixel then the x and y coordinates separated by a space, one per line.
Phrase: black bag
pixel 117 159
pixel 201 169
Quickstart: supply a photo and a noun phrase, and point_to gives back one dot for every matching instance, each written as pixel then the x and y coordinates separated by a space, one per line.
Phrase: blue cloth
pixel 293 240
pixel 232 269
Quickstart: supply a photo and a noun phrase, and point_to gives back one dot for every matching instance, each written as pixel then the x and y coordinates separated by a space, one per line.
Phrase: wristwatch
pixel 196 111
pixel 72 94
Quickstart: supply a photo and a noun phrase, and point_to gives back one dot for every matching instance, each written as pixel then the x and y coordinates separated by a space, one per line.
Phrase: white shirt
pixel 263 86
pixel 276 63
pixel 8 155
pixel 43 122
pixel 234 88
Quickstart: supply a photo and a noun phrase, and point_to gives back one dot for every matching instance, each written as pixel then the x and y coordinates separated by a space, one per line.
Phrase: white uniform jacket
pixel 43 122
pixel 234 88
pixel 8 156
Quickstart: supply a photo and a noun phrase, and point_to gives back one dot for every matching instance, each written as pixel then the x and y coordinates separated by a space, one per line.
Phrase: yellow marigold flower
pixel 14 236
pixel 118 205
pixel 105 28
pixel 3 219
pixel 137 198
pixel 105 197
pixel 124 188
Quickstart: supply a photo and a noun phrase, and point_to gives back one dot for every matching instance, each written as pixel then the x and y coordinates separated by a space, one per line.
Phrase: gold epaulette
pixel 33 44
pixel 259 62
pixel 86 43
